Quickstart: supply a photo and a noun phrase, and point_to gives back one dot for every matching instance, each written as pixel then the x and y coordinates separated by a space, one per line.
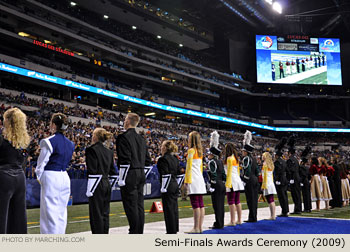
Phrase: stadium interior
pixel 197 55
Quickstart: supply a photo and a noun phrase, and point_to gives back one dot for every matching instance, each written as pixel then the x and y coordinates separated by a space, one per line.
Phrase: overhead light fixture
pixel 277 7
pixel 23 34
pixel 181 45
pixel 47 41
pixel 134 27
pixel 150 114
pixel 269 1
pixel 105 17
pixel 73 3
pixel 159 37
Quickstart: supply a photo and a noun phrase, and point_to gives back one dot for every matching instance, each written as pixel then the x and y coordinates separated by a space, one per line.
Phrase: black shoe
pixel 249 221
pixel 296 213
pixel 213 227
pixel 282 215
pixel 308 211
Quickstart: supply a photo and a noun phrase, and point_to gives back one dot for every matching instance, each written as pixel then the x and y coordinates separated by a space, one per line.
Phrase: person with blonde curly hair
pixel 268 186
pixel 14 138
pixel 55 155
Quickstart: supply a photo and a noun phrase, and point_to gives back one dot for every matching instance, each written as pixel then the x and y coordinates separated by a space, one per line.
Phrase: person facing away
pixel 14 138
pixel 133 160
pixel 101 176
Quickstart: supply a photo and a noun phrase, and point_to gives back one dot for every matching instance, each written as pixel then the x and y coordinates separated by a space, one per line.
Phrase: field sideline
pixel 78 215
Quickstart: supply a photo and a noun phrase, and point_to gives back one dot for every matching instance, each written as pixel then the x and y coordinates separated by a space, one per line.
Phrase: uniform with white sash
pixel 250 177
pixel 55 154
pixel 217 181
pixel 134 164
pixel 101 177
pixel 168 167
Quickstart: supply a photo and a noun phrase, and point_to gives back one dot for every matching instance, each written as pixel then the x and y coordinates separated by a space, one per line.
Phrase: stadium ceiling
pixel 311 17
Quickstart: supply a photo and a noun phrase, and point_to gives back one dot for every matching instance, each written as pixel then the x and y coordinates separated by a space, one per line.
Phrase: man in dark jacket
pixel 133 161
pixel 305 185
pixel 280 177
pixel 294 180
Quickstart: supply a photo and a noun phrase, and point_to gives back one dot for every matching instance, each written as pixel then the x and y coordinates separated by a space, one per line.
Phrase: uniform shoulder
pixel 191 151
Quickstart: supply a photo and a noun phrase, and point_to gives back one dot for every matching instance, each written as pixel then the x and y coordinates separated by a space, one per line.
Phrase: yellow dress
pixel 194 173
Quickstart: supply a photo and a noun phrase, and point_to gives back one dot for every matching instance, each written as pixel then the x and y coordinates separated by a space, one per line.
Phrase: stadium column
pixel 67 94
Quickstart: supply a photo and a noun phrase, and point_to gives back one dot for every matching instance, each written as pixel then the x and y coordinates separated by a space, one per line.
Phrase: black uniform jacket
pixel 280 171
pixel 99 160
pixel 132 150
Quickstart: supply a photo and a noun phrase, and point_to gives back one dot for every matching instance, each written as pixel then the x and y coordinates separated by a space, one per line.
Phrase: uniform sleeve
pixel 289 169
pixel 112 170
pixel 148 161
pixel 163 166
pixel 123 151
pixel 228 183
pixel 91 161
pixel 178 168
pixel 44 157
pixel 188 174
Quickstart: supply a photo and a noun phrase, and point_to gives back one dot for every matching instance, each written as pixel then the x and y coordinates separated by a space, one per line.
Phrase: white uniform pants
pixel 55 192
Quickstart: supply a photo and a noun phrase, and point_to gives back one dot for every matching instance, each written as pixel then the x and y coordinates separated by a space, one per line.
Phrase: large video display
pixel 295 59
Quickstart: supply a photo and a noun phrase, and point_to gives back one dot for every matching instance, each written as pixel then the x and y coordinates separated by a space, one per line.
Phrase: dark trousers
pixel 281 73
pixel 336 194
pixel 252 195
pixel 99 208
pixel 13 217
pixel 218 200
pixel 296 196
pixel 170 207
pixel 132 197
pixel 305 190
pixel 283 198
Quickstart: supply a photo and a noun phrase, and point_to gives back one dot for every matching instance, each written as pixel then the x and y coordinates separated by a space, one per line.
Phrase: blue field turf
pixel 290 225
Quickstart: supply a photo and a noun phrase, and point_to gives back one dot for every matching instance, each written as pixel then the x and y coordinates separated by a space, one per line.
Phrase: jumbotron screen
pixel 295 59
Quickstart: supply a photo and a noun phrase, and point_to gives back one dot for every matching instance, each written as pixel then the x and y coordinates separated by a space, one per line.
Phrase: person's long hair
pixel 194 141
pixel 268 161
pixel 230 150
pixel 15 128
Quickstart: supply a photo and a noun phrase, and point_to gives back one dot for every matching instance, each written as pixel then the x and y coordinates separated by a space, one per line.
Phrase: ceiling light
pixel 134 27
pixel 181 45
pixel 105 16
pixel 150 114
pixel 73 3
pixel 159 37
pixel 277 7
pixel 23 34
pixel 268 1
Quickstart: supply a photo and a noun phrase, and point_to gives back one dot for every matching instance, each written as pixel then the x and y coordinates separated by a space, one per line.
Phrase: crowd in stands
pixel 154 131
